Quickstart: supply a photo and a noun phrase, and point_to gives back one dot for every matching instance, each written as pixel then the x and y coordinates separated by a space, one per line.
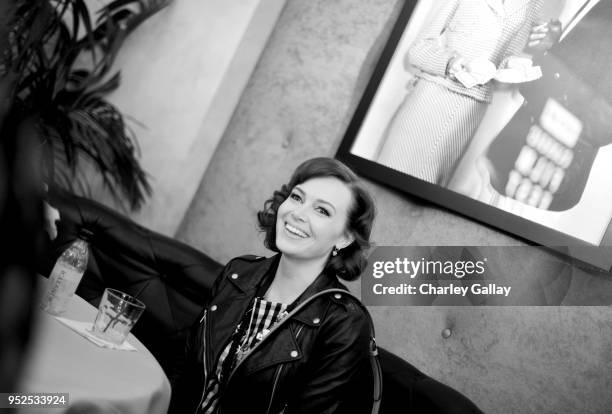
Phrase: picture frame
pixel 520 144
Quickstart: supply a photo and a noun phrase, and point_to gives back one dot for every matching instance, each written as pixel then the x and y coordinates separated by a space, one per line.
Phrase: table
pixel 118 381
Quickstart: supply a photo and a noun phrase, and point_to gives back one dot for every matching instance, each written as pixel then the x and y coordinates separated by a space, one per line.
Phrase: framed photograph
pixel 500 111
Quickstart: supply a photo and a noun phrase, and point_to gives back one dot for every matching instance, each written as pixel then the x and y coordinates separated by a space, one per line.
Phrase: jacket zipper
pixel 206 361
pixel 277 375
pixel 203 320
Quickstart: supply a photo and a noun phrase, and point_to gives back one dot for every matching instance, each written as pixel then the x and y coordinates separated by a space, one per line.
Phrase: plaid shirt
pixel 263 315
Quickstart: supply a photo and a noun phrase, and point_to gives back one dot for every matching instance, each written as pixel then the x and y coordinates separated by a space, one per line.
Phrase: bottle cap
pixel 85 234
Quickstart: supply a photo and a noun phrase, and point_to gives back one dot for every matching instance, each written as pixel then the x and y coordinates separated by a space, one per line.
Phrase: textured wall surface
pixel 297 105
pixel 181 84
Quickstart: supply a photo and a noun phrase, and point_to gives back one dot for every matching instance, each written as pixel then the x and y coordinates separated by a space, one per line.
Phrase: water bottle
pixel 66 274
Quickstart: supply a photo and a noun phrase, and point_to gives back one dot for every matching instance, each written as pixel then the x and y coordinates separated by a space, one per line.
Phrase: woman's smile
pixel 294 231
pixel 312 220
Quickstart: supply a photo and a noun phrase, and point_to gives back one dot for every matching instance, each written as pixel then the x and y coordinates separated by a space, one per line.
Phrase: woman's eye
pixel 295 197
pixel 323 211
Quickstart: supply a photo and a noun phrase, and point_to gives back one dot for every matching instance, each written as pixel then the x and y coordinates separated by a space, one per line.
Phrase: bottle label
pixel 63 282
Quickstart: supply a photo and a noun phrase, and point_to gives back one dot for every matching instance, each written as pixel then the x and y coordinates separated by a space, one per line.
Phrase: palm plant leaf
pixel 48 41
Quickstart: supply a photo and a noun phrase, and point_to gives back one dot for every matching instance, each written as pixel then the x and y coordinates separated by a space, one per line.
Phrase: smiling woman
pixel 318 225
pixel 331 178
pixel 318 360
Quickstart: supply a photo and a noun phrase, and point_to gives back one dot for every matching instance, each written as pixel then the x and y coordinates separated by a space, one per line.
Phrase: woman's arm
pixel 340 380
pixel 428 53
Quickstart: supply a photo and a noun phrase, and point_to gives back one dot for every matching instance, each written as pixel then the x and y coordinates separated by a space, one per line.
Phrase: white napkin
pixel 84 329
pixel 479 71
pixel 518 75
pixel 518 69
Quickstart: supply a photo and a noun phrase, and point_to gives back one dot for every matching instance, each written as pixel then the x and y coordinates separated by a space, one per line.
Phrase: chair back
pixel 408 390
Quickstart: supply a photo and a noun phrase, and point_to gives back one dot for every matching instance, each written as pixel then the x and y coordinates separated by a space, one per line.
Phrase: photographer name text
pixel 405 268
pixel 431 289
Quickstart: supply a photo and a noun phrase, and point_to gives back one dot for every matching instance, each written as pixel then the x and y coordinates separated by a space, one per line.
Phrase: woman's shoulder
pixel 239 271
pixel 347 321
pixel 347 307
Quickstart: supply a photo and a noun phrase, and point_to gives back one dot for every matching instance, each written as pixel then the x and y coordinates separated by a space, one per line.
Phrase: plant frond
pixel 47 40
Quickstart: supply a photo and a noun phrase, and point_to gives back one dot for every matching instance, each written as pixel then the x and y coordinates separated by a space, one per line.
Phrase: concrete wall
pixel 297 105
pixel 183 72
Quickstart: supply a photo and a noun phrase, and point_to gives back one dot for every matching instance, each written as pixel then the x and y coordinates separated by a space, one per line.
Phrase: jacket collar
pixel 308 315
pixel 255 276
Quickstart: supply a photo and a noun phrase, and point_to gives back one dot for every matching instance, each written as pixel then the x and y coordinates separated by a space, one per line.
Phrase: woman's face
pixel 312 220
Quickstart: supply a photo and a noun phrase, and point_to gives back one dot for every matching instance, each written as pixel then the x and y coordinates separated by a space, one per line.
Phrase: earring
pixel 335 251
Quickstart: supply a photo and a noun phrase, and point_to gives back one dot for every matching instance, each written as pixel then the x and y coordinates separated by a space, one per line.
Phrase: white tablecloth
pixel 63 361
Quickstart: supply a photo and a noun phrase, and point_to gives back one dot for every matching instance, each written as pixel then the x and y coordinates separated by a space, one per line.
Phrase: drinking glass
pixel 117 314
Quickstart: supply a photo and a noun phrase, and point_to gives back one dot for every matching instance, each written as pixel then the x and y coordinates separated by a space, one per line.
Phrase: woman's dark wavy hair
pixel 350 262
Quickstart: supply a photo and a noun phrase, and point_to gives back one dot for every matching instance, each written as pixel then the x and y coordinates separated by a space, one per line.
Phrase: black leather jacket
pixel 316 363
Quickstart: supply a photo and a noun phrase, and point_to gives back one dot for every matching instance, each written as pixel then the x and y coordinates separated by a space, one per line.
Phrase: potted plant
pixel 55 71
